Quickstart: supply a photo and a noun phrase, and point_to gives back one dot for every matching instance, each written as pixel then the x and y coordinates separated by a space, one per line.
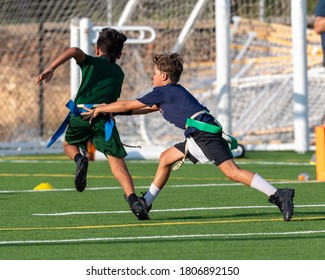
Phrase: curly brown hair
pixel 171 63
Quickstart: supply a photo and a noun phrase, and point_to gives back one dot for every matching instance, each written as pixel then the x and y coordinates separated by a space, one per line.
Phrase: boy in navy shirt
pixel 203 134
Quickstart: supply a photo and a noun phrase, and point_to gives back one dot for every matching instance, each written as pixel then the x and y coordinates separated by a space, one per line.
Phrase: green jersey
pixel 101 82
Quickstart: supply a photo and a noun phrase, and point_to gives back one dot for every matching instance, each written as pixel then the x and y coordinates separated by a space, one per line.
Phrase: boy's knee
pixel 232 174
pixel 163 156
pixel 166 158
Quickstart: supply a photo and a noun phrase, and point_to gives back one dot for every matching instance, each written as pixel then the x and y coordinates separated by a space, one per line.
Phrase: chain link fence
pixel 34 32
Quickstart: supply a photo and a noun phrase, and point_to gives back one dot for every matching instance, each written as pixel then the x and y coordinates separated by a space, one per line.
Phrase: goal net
pixel 34 33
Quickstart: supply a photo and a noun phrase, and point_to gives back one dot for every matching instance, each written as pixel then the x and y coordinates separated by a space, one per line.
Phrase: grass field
pixel 199 215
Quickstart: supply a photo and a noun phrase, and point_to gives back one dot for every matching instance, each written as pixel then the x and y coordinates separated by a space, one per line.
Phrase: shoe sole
pixel 80 180
pixel 288 217
pixel 140 213
pixel 142 216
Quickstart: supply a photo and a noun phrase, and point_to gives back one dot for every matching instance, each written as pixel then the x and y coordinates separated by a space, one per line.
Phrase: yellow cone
pixel 43 187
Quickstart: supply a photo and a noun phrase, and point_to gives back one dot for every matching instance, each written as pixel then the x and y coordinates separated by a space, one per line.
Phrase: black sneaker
pixel 144 204
pixel 139 211
pixel 80 179
pixel 283 198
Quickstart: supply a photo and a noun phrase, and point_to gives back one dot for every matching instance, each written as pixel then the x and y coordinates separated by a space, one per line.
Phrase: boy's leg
pixel 283 198
pixel 122 175
pixel 80 179
pixel 232 171
pixel 166 161
pixel 70 150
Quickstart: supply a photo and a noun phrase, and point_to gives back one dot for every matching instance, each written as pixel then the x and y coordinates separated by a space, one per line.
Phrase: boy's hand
pixel 45 76
pixel 90 114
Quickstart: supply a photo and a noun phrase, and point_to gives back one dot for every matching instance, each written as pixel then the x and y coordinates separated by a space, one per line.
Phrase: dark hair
pixel 171 63
pixel 111 42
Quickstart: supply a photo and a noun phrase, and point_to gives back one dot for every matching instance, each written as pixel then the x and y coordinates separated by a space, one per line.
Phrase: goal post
pixel 223 62
pixel 300 89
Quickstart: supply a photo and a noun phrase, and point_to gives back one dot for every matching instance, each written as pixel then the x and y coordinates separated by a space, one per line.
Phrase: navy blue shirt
pixel 320 12
pixel 175 104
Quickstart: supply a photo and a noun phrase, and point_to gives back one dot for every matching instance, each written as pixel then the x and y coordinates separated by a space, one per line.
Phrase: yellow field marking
pixel 66 176
pixel 35 175
pixel 45 157
pixel 161 224
pixel 135 177
pixel 103 176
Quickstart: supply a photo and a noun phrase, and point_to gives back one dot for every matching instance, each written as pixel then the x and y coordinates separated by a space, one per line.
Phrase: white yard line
pixel 135 238
pixel 170 210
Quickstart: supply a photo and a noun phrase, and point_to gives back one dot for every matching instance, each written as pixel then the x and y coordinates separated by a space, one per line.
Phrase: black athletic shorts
pixel 215 148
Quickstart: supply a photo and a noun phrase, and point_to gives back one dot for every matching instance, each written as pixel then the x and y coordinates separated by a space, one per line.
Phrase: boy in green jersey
pixel 102 81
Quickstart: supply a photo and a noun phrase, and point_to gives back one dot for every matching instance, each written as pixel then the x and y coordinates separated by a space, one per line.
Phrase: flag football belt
pixel 206 127
pixel 203 126
pixel 76 110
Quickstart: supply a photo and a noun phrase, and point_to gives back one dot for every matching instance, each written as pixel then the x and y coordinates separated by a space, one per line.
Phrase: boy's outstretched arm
pixel 145 110
pixel 47 74
pixel 118 107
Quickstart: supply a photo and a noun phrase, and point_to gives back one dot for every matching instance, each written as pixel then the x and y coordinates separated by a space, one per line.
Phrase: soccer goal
pixel 248 86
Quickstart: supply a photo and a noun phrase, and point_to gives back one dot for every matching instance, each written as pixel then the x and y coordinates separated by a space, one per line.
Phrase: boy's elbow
pixel 78 54
pixel 73 51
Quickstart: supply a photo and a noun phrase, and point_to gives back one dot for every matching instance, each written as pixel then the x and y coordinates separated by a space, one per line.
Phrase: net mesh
pixel 34 32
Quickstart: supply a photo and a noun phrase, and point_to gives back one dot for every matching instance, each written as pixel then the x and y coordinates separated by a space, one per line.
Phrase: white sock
pixel 151 194
pixel 262 185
